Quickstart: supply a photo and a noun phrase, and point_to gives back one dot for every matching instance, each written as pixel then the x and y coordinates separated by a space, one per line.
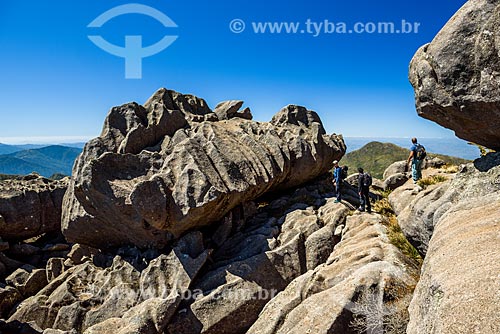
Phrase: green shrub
pixel 398 239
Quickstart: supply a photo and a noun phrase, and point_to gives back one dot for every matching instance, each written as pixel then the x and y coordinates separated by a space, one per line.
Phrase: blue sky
pixel 55 82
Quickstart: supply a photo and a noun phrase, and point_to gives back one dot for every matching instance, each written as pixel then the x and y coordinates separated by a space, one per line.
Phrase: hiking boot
pixel 336 201
pixel 361 209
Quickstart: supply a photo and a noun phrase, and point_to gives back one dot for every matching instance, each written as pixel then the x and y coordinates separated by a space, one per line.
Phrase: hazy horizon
pixel 443 145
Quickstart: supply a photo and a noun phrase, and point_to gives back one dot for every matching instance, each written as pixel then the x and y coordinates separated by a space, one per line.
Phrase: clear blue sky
pixel 55 82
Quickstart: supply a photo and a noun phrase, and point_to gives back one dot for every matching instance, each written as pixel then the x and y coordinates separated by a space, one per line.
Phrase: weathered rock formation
pixel 173 165
pixel 251 269
pixel 416 218
pixel 457 76
pixel 235 229
pixel 455 222
pixel 328 298
pixel 456 225
pixel 120 298
pixel 207 280
pixel 30 206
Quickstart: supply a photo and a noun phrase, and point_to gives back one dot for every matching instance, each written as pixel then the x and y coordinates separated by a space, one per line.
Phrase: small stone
pixel 78 252
pixel 4 245
pixel 28 280
pixel 9 297
pixel 56 248
pixel 24 250
pixel 55 267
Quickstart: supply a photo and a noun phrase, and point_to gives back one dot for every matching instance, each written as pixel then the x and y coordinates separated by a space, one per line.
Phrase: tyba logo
pixel 133 51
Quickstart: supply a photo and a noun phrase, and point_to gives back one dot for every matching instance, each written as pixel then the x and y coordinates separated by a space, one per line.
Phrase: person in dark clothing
pixel 337 179
pixel 364 192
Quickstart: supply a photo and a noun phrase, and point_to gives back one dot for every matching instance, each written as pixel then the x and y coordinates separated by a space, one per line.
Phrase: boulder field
pixel 180 219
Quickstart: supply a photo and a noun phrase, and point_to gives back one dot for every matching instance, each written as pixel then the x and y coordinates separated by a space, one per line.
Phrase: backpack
pixel 367 180
pixel 420 153
pixel 343 174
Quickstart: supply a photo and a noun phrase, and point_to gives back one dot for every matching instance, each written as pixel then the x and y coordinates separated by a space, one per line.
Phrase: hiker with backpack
pixel 417 156
pixel 339 174
pixel 364 182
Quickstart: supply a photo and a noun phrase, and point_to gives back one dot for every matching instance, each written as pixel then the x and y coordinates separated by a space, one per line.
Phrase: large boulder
pixel 401 197
pixel 398 167
pixel 30 206
pixel 9 296
pixel 433 163
pixel 230 109
pixel 28 280
pixel 459 226
pixel 395 181
pixel 457 76
pixel 159 170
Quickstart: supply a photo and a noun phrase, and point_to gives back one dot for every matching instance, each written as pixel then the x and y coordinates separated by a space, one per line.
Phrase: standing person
pixel 417 155
pixel 364 183
pixel 337 178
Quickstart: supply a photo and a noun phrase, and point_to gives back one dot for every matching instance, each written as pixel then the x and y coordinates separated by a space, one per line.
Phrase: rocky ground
pixel 182 219
pixel 456 226
pixel 170 244
pixel 291 260
pixel 299 241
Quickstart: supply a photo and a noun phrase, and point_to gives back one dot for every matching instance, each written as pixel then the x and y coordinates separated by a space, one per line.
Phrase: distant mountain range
pixel 46 161
pixel 59 159
pixel 7 149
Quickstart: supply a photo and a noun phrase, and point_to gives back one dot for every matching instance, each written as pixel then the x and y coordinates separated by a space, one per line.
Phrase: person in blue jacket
pixel 337 178
pixel 417 155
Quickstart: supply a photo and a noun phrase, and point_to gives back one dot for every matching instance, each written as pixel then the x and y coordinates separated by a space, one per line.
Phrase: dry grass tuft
pixel 387 313
pixel 435 179
pixel 450 169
